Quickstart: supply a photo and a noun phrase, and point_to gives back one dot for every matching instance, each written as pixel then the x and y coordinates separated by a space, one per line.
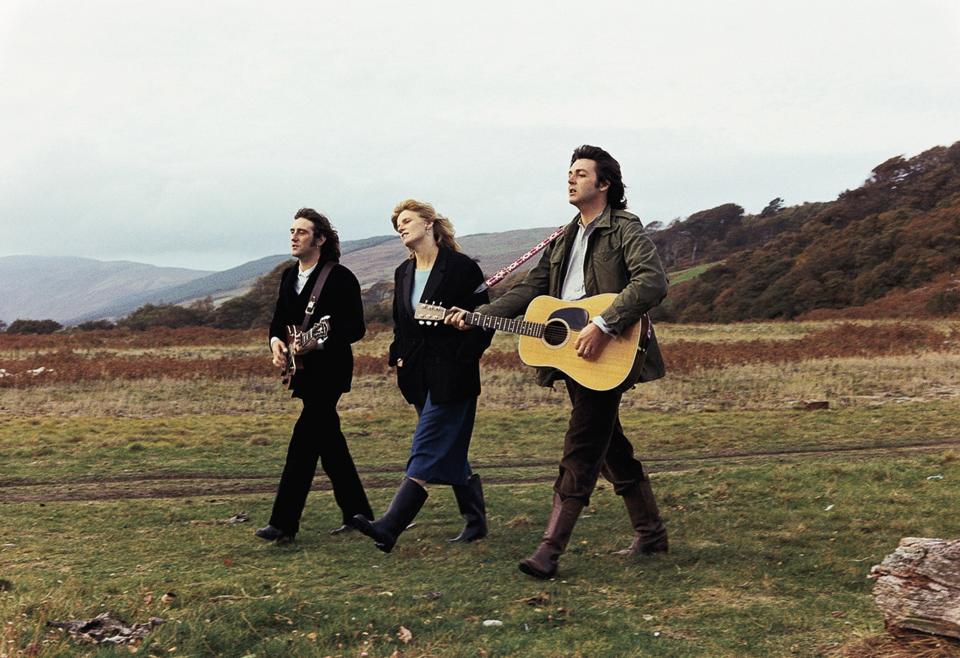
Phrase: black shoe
pixel 404 507
pixel 346 527
pixel 271 533
pixel 472 508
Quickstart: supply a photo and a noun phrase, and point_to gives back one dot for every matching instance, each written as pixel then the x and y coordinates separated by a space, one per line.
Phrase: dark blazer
pixel 438 359
pixel 330 369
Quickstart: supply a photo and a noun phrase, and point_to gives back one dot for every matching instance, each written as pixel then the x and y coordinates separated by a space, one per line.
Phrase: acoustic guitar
pixel 549 330
pixel 297 344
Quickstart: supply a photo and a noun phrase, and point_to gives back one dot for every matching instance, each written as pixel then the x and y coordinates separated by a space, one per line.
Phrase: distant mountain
pixel 219 285
pixel 73 290
pixel 60 288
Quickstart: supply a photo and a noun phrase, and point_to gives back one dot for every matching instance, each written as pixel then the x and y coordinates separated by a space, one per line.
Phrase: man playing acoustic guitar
pixel 603 250
pixel 325 373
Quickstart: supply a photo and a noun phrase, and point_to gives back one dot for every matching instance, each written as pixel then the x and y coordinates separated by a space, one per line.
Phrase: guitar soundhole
pixel 555 333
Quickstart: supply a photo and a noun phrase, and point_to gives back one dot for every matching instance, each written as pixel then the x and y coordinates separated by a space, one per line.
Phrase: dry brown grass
pixel 778 330
pixel 900 645
pixel 41 366
pixel 844 382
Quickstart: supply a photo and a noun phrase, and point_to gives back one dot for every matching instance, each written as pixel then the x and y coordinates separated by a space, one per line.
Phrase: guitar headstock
pixel 428 313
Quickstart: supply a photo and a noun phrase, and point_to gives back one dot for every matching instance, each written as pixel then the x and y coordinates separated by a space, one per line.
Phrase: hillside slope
pixel 899 231
pixel 218 285
pixel 61 288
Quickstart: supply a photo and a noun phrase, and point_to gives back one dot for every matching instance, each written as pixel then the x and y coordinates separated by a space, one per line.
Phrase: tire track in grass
pixel 185 485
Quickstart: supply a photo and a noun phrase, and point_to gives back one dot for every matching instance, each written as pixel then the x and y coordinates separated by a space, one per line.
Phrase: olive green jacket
pixel 620 259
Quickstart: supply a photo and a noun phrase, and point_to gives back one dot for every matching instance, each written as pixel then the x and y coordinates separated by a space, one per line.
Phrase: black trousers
pixel 317 435
pixel 595 444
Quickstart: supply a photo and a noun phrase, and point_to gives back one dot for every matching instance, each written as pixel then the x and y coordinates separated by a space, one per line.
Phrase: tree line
pixel 899 230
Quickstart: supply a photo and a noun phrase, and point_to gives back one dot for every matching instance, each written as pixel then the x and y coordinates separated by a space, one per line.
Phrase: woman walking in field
pixel 438 371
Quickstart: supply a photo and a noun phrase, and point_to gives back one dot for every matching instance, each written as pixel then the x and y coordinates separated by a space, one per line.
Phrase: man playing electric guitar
pixel 323 375
pixel 603 250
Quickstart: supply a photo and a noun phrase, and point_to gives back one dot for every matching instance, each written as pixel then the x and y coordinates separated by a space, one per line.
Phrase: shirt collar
pixel 589 227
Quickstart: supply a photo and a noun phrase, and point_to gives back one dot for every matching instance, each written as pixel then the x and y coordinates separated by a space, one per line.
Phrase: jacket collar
pixel 436 275
pixel 605 219
pixel 433 281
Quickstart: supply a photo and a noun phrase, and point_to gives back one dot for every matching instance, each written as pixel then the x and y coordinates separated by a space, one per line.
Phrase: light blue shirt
pixel 419 283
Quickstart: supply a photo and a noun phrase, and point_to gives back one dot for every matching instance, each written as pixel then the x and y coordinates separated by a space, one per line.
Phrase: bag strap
pixel 315 293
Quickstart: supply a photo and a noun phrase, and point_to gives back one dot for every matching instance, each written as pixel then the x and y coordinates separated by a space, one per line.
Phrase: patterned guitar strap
pixel 502 274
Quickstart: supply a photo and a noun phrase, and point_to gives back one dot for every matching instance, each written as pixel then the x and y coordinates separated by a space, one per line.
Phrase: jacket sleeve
pixel 474 342
pixel 647 285
pixel 348 326
pixel 394 352
pixel 515 301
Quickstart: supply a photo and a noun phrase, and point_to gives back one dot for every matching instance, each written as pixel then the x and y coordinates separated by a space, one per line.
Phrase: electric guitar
pixel 549 330
pixel 296 342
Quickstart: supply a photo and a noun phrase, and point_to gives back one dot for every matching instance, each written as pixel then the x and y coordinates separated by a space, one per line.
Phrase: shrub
pixel 163 315
pixel 34 327
pixel 96 325
pixel 944 302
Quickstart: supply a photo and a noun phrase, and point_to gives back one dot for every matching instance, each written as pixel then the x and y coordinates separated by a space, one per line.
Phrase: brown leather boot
pixel 563 516
pixel 651 534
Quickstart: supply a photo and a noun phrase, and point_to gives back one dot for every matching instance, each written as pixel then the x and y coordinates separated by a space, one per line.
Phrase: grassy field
pixel 115 495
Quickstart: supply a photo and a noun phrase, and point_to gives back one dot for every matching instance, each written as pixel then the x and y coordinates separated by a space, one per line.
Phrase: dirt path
pixel 214 485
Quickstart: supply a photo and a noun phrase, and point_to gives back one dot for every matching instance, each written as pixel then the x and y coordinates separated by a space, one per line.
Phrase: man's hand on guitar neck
pixel 455 318
pixel 591 341
pixel 279 351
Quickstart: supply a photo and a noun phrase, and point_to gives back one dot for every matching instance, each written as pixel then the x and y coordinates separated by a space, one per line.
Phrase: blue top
pixel 419 283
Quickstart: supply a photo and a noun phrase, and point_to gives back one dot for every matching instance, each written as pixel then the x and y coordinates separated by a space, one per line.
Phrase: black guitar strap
pixel 315 293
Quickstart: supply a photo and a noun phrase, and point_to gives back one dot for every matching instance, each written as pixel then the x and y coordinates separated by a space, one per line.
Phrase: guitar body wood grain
pixel 556 350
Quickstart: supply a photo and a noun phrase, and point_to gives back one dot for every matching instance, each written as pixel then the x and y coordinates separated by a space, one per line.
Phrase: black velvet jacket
pixel 330 369
pixel 438 359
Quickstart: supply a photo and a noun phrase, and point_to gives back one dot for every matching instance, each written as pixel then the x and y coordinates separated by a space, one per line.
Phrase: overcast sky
pixel 187 133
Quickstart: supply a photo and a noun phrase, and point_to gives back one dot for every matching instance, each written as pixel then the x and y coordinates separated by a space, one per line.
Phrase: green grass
pixel 50 448
pixel 690 273
pixel 758 567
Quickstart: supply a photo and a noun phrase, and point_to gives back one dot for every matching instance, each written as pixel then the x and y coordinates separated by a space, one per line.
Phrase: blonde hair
pixel 442 227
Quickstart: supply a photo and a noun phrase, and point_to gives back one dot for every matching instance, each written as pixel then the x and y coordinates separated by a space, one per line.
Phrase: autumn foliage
pixel 42 360
pixel 899 231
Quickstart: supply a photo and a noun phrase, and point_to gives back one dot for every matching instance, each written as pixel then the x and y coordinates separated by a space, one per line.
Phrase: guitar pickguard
pixel 561 322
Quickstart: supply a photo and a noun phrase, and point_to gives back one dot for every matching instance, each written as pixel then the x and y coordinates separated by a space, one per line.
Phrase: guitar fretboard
pixel 513 326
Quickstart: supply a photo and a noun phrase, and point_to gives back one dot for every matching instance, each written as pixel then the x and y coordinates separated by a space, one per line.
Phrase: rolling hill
pixel 898 232
pixel 62 288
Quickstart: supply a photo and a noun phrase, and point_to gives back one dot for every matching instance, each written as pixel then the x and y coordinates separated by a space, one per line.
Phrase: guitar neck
pixel 510 325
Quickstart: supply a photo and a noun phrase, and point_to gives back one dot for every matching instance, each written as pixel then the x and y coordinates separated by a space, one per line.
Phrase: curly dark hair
pixel 322 227
pixel 608 171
